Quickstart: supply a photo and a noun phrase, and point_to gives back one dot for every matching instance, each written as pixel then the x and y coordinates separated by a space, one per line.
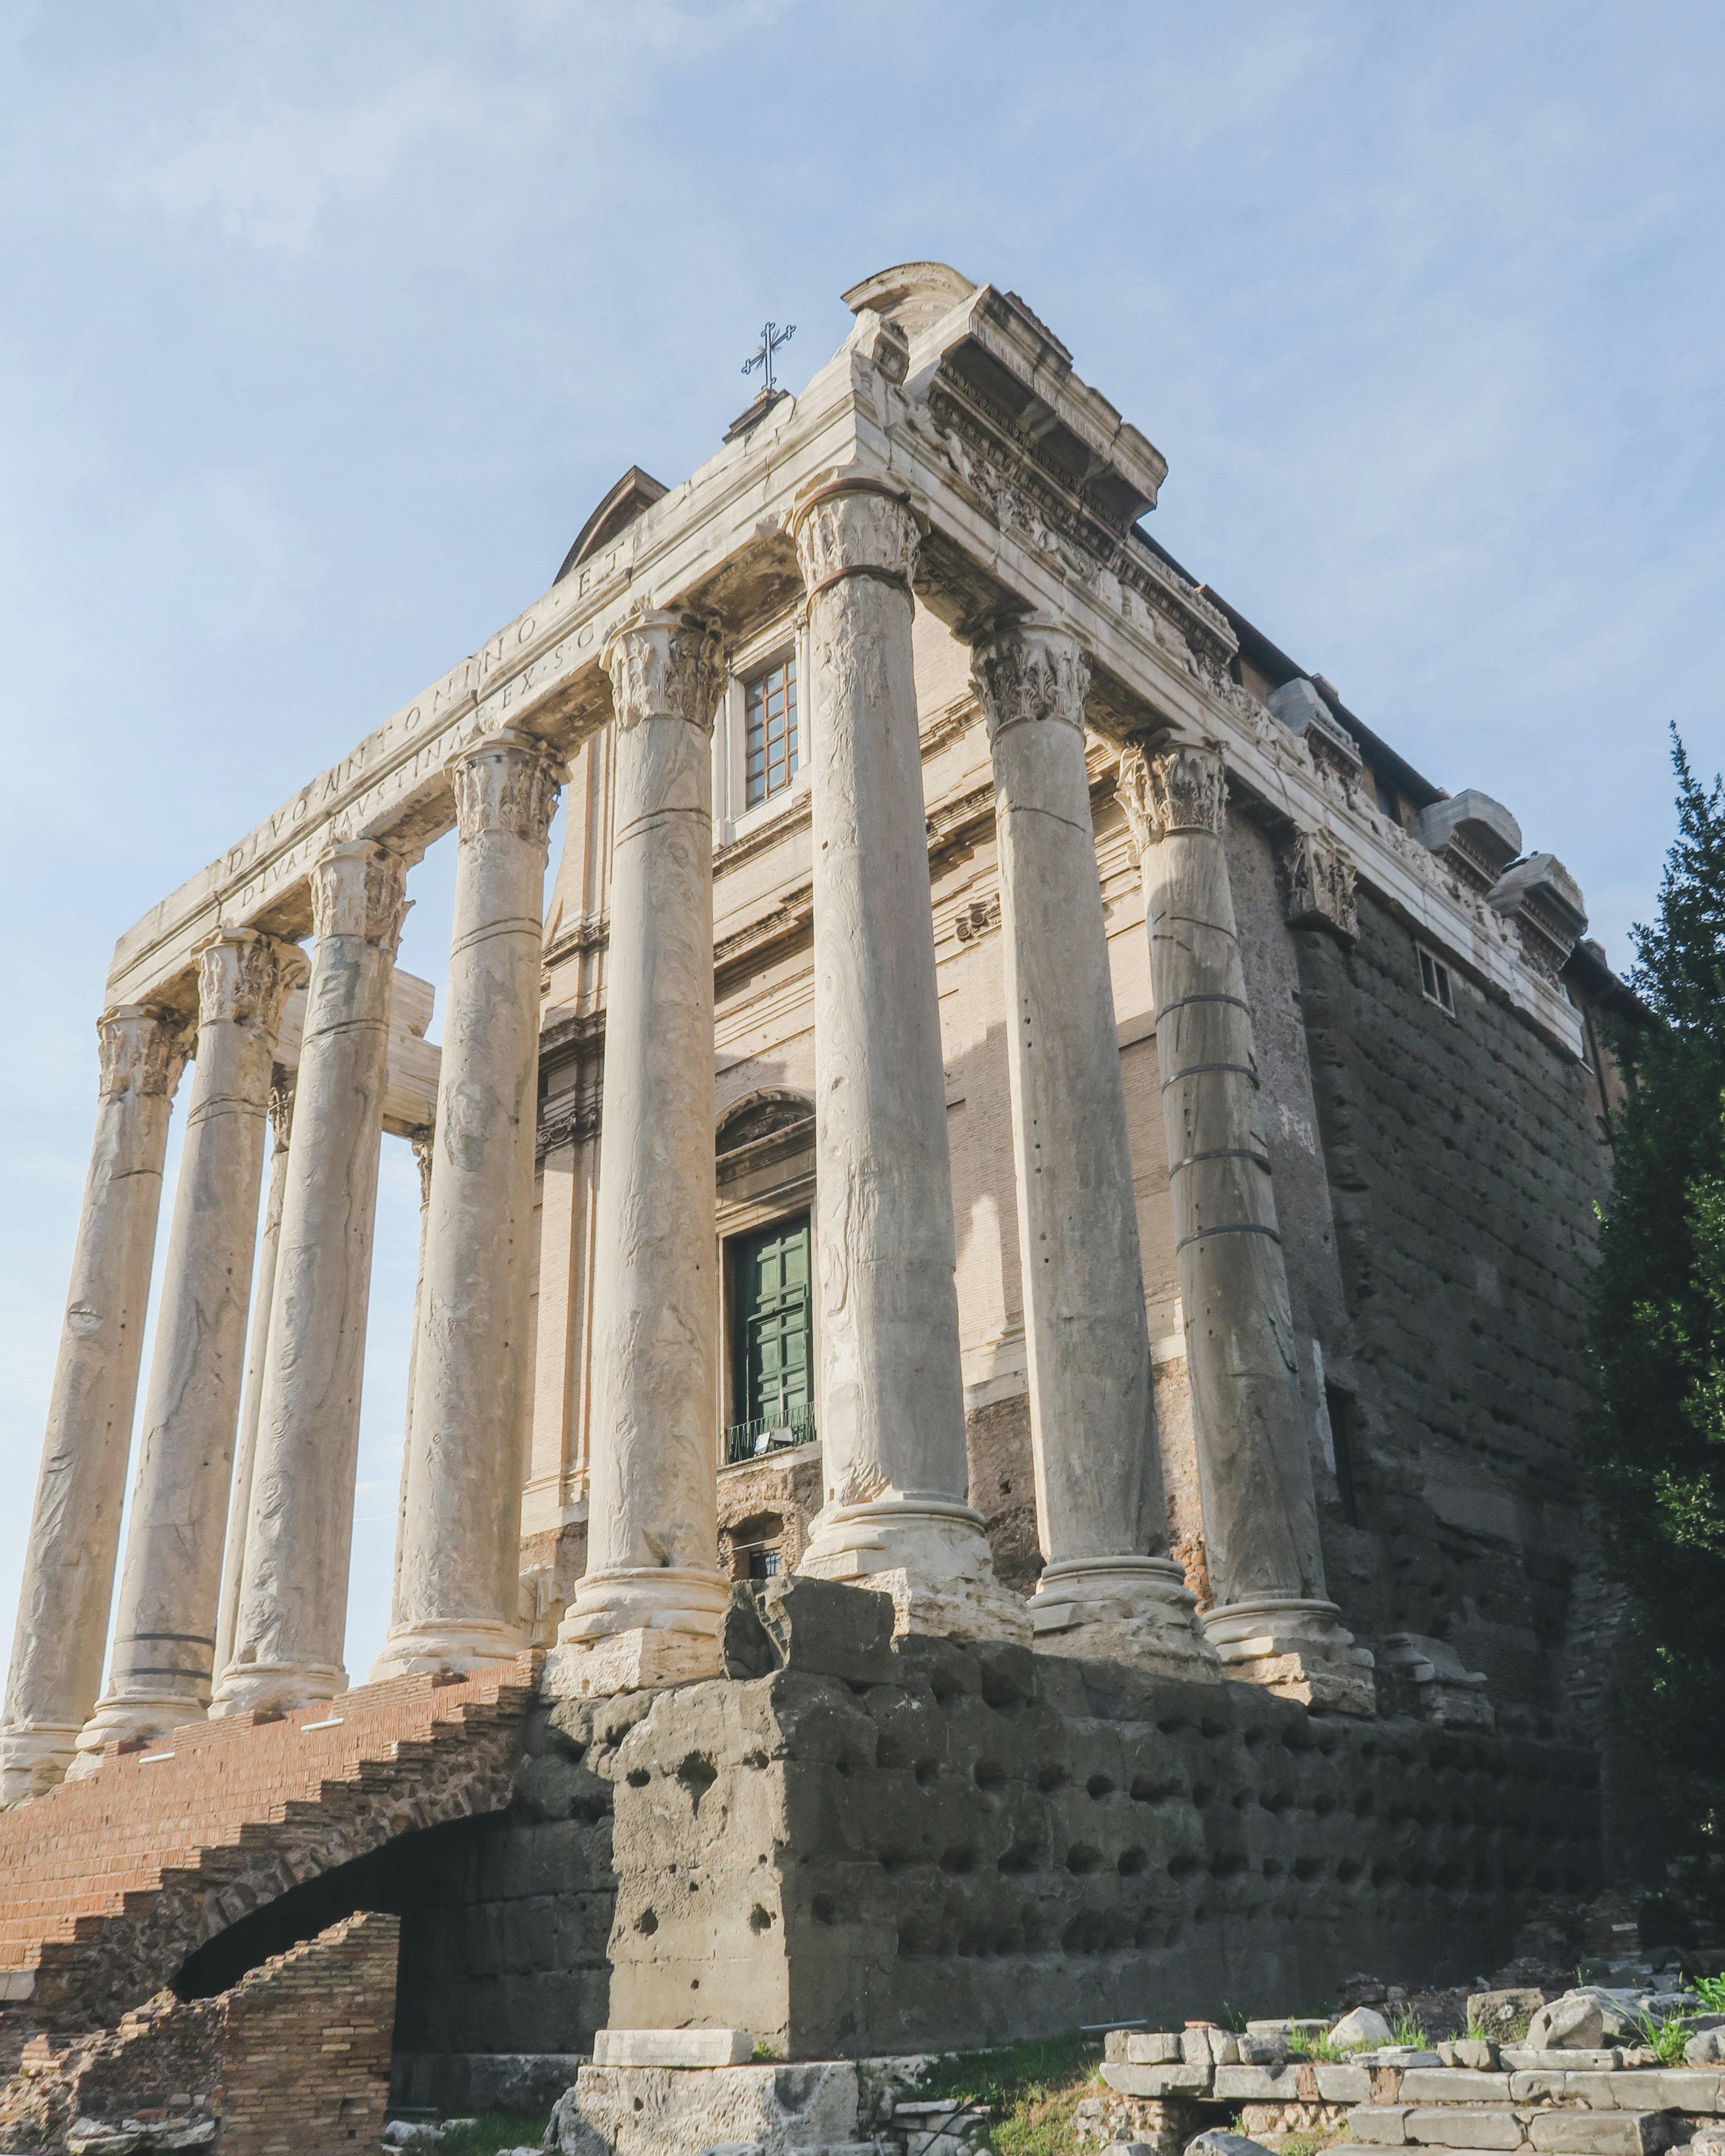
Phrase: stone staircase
pixel 107 1885
pixel 1539 2103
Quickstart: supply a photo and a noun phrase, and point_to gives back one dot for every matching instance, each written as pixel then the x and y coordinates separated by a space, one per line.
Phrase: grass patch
pixel 1710 1990
pixel 1666 2037
pixel 1407 2028
pixel 492 2130
pixel 1033 2089
pixel 1320 2048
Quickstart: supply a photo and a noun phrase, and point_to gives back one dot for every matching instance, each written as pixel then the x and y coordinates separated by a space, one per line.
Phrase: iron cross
pixel 772 337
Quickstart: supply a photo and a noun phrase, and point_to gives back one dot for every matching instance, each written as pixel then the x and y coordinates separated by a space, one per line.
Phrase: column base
pixel 1136 1610
pixel 931 1555
pixel 434 1649
pixel 1296 1648
pixel 128 1722
pixel 275 1687
pixel 34 1758
pixel 638 1628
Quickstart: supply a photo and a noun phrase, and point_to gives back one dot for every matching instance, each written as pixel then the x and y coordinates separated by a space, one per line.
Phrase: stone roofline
pixel 1026 484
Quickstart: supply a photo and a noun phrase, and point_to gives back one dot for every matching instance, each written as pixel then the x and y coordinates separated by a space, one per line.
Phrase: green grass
pixel 1316 2047
pixel 1407 2028
pixel 1710 1990
pixel 492 2130
pixel 1667 2037
pixel 1033 2089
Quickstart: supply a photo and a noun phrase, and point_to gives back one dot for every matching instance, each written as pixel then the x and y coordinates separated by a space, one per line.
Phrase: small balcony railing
pixel 753 1440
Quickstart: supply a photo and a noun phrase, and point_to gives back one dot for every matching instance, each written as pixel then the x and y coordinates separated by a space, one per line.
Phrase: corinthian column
pixel 160 1667
pixel 457 1568
pixel 74 1529
pixel 293 1596
pixel 245 1445
pixel 1109 1587
pixel 649 1609
pixel 1272 1617
pixel 892 1399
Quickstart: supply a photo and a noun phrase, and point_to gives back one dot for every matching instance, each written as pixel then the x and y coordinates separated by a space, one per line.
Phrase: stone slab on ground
pixel 672 2047
pixel 661 2111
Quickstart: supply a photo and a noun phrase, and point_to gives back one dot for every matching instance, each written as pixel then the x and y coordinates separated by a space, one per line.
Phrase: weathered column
pixel 648 1611
pixel 423 1142
pixel 1109 1587
pixel 160 1668
pixel 456 1591
pixel 891 1397
pixel 74 1529
pixel 1272 1617
pixel 293 1597
pixel 245 1445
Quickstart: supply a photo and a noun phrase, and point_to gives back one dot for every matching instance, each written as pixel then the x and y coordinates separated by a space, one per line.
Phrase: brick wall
pixel 293 2061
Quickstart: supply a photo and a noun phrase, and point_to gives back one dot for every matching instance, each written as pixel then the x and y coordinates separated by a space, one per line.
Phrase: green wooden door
pixel 772 1329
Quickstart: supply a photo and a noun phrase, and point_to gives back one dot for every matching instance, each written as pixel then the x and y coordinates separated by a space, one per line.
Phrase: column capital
pixel 245 978
pixel 1317 881
pixel 506 785
pixel 1028 670
pixel 142 1050
pixel 854 528
pixel 359 888
pixel 664 665
pixel 1184 789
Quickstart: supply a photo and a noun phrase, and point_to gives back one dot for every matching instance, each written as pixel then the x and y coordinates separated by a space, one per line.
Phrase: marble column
pixel 74 1528
pixel 1109 1587
pixel 890 1402
pixel 648 1611
pixel 423 1143
pixel 161 1662
pixel 459 1564
pixel 293 1598
pixel 1272 1621
pixel 245 1445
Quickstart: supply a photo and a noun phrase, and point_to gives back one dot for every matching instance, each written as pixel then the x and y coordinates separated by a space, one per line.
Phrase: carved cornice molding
pixel 854 528
pixel 1028 672
pixel 506 786
pixel 1317 886
pixel 245 978
pixel 141 1050
pixel 1184 790
pixel 573 1119
pixel 359 888
pixel 665 666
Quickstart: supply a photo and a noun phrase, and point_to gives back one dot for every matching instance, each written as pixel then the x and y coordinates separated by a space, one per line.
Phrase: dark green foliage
pixel 1658 1333
pixel 1035 2067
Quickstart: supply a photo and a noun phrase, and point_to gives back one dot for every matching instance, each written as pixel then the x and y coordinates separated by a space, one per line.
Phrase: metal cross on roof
pixel 772 337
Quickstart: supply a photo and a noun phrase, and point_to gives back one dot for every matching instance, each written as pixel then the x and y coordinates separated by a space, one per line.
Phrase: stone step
pixel 1501 2131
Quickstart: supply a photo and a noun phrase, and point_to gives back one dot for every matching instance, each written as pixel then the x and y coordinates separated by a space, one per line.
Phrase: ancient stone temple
pixel 998 1354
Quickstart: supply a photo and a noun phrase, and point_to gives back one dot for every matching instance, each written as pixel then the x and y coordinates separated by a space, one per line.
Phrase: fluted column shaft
pixel 293 1597
pixel 160 1666
pixel 1272 1609
pixel 891 1398
pixel 648 1611
pixel 245 1445
pixel 456 1591
pixel 1109 1586
pixel 75 1527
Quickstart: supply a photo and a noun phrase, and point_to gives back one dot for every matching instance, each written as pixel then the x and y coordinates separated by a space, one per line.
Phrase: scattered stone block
pixel 1363 2030
pixel 1215 2142
pixel 1153 2049
pixel 1576 2022
pixel 1705 2049
pixel 672 2047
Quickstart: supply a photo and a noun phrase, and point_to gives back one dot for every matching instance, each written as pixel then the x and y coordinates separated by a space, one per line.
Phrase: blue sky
pixel 325 327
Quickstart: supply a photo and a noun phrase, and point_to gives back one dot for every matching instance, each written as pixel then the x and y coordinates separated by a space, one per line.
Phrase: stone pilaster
pixel 161 1663
pixel 649 1609
pixel 459 1558
pixel 890 1401
pixel 1109 1587
pixel 293 1595
pixel 245 1445
pixel 75 1527
pixel 1272 1619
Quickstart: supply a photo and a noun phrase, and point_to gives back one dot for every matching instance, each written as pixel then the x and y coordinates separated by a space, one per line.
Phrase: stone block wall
pixel 988 1844
pixel 293 2061
pixel 1464 1161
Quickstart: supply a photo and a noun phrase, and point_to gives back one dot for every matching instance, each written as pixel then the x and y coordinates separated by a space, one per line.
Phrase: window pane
pixel 770 731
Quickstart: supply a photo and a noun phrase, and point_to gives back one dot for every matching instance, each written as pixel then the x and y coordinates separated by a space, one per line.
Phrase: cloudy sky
pixel 326 327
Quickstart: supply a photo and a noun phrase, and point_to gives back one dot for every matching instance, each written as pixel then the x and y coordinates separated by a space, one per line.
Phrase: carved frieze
pixel 1317 884
pixel 855 530
pixel 572 1121
pixel 665 666
pixel 141 1050
pixel 245 978
pixel 1028 671
pixel 1183 790
pixel 359 888
pixel 506 785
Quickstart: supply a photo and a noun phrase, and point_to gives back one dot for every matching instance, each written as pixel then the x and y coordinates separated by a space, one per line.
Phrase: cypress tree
pixel 1658 1333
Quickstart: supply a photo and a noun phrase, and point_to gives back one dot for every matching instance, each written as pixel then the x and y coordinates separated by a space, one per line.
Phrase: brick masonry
pixel 293 2061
